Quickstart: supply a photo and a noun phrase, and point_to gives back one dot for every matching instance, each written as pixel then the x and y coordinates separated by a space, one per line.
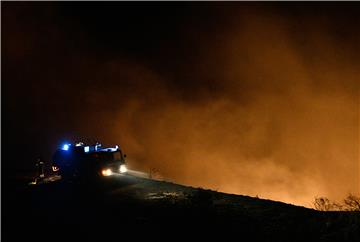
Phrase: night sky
pixel 248 98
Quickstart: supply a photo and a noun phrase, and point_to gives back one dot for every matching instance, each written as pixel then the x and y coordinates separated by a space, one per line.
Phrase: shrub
pixel 324 204
pixel 350 203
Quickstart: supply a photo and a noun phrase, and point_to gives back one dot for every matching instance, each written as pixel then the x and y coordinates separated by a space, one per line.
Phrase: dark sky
pixel 250 98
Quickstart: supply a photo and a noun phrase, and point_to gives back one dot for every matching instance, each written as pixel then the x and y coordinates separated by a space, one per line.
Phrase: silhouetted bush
pixel 350 203
pixel 324 204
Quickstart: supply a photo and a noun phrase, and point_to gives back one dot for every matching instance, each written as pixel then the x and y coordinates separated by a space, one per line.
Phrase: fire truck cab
pixel 88 161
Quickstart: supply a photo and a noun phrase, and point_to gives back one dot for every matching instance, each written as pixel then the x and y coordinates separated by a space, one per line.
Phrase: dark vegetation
pixel 134 209
pixel 350 203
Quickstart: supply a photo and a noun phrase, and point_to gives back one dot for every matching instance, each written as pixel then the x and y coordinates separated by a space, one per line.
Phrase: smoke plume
pixel 249 99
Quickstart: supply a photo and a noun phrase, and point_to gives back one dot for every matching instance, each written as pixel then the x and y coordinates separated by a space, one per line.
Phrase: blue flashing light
pixel 111 149
pixel 66 147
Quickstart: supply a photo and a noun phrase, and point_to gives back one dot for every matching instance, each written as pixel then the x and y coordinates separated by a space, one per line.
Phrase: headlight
pixel 106 172
pixel 123 169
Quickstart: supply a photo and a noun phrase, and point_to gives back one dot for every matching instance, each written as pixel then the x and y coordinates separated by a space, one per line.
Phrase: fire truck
pixel 78 160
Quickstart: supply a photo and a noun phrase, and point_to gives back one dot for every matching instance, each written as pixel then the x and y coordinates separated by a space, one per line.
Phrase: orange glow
pixel 281 122
pixel 261 100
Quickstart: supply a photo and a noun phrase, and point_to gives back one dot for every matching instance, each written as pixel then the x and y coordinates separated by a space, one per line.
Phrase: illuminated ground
pixel 130 208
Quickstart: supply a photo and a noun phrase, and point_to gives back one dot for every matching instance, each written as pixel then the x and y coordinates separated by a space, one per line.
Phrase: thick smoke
pixel 271 116
pixel 254 101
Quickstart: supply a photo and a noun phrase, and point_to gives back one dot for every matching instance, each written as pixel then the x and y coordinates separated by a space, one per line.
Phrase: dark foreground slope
pixel 127 208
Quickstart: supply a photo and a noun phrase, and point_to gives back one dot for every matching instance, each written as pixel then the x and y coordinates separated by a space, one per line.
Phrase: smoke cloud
pixel 256 101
